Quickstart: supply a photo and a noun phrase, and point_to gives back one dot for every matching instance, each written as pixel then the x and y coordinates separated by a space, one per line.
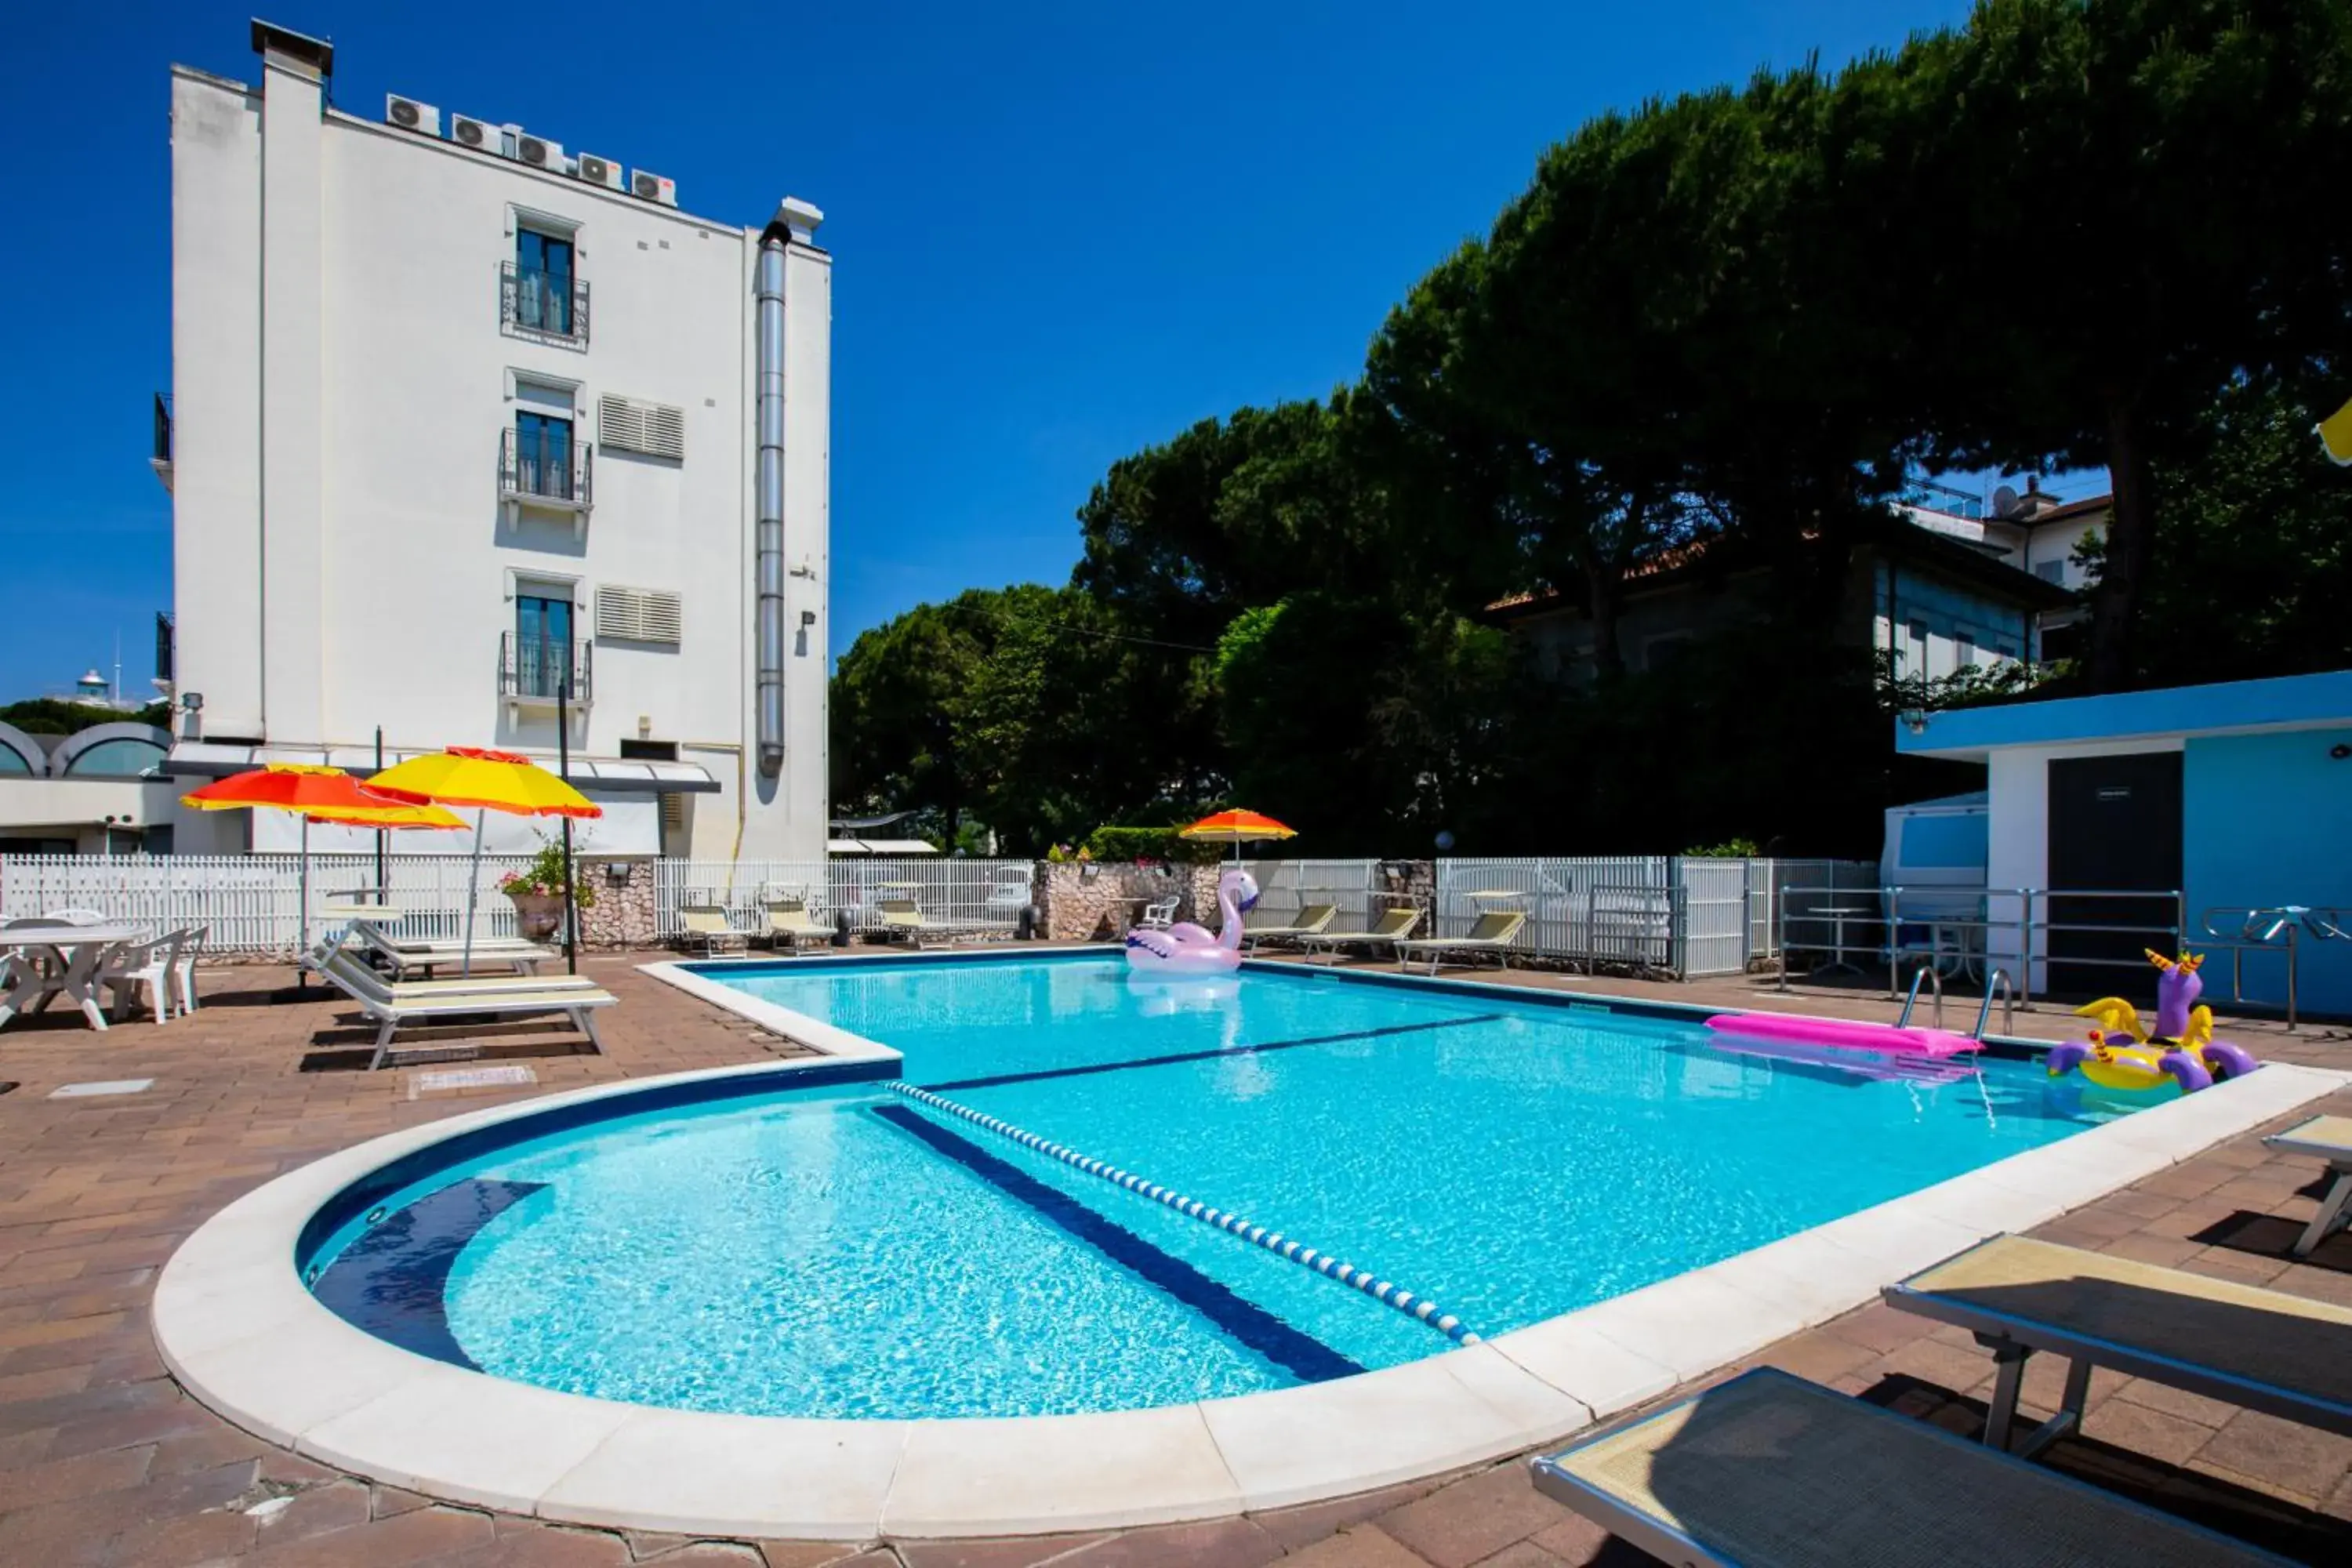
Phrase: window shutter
pixel 654 428
pixel 640 614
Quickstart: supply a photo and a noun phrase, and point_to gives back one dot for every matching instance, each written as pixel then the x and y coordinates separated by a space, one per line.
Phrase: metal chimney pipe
pixel 770 498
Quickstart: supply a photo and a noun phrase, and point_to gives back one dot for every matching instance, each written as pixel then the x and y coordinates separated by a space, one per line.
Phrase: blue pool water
pixel 845 1251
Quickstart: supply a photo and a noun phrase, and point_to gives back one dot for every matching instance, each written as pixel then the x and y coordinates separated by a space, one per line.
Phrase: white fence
pixel 252 903
pixel 1285 887
pixel 974 894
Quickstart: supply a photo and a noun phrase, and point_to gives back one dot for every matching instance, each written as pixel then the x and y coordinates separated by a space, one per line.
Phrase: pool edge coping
pixel 236 1326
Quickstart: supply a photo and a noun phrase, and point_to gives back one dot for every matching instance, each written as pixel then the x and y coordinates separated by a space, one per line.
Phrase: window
pixel 542 465
pixel 1964 651
pixel 542 641
pixel 543 281
pixel 2051 572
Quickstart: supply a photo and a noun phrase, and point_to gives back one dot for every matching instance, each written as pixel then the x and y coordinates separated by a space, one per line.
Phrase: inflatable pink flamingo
pixel 1186 949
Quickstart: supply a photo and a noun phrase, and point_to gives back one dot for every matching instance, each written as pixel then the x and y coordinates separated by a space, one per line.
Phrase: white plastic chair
pixel 77 917
pixel 1158 914
pixel 148 963
pixel 191 948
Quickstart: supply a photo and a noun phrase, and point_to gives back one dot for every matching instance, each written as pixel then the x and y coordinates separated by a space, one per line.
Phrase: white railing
pixel 975 894
pixel 1592 909
pixel 252 903
pixel 1285 887
pixel 1716 939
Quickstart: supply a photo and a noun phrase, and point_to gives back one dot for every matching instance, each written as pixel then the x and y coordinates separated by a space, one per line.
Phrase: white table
pixel 80 951
pixel 1838 914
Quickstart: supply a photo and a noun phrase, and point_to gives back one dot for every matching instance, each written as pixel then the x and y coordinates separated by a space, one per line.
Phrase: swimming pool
pixel 847 1251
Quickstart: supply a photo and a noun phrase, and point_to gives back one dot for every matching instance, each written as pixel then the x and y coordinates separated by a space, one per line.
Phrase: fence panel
pixel 952 891
pixel 1557 893
pixel 252 903
pixel 1285 887
pixel 1803 889
pixel 1715 917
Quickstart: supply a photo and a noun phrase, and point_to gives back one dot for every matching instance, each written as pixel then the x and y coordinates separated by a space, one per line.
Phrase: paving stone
pixel 1459 1524
pixel 1309 1522
pixel 810 1553
pixel 1211 1543
pixel 1521 1554
pixel 386 1501
pixel 1577 1539
pixel 415 1537
pixel 60 1479
pixel 1362 1546
pixel 337 1505
pixel 190 1538
pixel 542 1546
pixel 2306 1462
pixel 997 1551
pixel 2124 1424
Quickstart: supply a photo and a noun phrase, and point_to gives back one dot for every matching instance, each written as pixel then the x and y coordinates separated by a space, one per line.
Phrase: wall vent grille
pixel 639 615
pixel 654 429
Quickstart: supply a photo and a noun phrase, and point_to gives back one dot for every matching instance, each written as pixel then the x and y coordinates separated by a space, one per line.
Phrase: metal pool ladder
pixel 2008 1003
pixel 1927 971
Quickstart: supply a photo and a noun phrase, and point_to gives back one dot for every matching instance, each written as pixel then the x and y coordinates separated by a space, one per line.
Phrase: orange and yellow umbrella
pixel 318 794
pixel 1237 827
pixel 477 778
pixel 486 780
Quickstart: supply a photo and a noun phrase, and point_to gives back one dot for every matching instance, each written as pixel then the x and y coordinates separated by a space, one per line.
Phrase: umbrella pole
pixel 473 887
pixel 302 945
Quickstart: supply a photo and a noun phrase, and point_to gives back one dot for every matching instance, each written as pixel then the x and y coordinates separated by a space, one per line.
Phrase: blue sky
pixel 1061 232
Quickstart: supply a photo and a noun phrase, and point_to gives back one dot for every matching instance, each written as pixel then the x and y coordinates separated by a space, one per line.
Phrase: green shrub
pixel 1147 844
pixel 1729 849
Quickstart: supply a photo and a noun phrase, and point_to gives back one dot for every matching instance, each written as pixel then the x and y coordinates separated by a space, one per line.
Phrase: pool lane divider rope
pixel 1420 1307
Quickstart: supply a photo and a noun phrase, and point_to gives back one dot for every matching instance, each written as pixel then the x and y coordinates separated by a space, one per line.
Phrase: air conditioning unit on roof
pixel 600 172
pixel 539 152
pixel 411 115
pixel 653 188
pixel 480 134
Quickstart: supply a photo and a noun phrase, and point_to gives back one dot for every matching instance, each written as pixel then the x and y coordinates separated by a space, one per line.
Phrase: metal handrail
pixel 2008 1004
pixel 1927 971
pixel 560 474
pixel 2277 926
pixel 549 306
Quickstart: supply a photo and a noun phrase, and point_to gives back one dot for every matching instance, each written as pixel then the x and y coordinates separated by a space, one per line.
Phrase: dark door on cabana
pixel 2114 827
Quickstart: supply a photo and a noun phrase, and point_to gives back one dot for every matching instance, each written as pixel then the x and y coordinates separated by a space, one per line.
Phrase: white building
pixel 2034 533
pixel 475 436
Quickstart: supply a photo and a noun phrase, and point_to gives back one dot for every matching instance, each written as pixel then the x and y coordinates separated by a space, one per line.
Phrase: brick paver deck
pixel 104 1462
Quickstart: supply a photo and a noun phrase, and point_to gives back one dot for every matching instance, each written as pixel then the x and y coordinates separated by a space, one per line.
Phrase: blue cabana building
pixel 2237 797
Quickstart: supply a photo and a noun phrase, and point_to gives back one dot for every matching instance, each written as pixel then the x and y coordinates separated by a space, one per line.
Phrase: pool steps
pixel 1419 1308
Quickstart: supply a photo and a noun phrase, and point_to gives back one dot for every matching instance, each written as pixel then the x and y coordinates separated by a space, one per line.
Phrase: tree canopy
pixel 1731 325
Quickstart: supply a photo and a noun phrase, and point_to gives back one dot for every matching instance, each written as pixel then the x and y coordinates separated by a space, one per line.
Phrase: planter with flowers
pixel 538 893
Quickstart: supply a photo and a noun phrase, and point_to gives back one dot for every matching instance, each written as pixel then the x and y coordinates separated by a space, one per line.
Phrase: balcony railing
pixel 532 669
pixel 162 459
pixel 541 471
pixel 548 307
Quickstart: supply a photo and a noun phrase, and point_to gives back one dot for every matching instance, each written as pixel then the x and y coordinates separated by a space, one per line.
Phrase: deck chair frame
pixel 1665 1541
pixel 2335 1208
pixel 2015 1340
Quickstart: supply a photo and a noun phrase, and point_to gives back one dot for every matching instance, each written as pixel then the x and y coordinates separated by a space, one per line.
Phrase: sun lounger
pixel 1770 1471
pixel 1393 926
pixel 2328 1138
pixel 358 976
pixel 706 926
pixel 404 955
pixel 904 918
pixel 393 1007
pixel 2288 1356
pixel 790 924
pixel 1310 919
pixel 1494 932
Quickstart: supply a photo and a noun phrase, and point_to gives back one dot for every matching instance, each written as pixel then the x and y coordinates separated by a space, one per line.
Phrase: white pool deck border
pixel 237 1328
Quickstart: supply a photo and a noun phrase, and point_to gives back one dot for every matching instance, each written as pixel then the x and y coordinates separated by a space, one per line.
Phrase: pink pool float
pixel 1185 949
pixel 1844 1034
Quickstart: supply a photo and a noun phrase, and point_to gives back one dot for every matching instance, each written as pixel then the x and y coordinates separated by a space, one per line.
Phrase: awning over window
pixel 627 775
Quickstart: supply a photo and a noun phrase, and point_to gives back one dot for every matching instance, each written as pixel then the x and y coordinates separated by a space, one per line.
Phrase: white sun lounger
pixel 790 924
pixel 706 926
pixel 2289 1356
pixel 1494 932
pixel 1770 1471
pixel 392 1007
pixel 404 955
pixel 2328 1138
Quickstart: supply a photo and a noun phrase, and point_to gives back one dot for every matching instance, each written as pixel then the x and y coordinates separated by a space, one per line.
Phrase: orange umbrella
pixel 318 794
pixel 487 781
pixel 1237 828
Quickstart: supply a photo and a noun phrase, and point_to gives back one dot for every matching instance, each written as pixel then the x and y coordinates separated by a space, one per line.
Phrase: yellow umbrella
pixel 2336 435
pixel 317 794
pixel 1237 828
pixel 486 780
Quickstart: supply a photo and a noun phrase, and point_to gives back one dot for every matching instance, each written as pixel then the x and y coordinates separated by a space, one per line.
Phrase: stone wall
pixel 623 911
pixel 1090 901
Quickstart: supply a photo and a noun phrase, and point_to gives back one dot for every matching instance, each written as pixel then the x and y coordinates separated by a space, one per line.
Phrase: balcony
pixel 162 459
pixel 542 307
pixel 548 474
pixel 532 672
